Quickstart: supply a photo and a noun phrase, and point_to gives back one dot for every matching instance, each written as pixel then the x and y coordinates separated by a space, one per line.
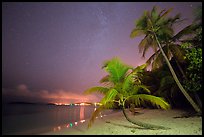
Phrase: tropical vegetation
pixel 159 34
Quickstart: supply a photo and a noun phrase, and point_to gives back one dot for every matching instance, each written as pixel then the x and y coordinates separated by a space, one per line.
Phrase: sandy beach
pixel 116 124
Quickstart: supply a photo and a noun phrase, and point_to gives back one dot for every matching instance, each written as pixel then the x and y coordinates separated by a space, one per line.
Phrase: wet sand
pixel 116 124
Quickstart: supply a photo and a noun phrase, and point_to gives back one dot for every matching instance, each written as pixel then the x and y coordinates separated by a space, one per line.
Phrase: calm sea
pixel 33 119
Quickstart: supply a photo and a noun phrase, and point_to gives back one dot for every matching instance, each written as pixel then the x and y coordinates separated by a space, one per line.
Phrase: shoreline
pixel 116 124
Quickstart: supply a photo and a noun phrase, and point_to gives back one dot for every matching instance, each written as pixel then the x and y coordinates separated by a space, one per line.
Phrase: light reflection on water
pixel 82 112
pixel 30 119
pixel 75 123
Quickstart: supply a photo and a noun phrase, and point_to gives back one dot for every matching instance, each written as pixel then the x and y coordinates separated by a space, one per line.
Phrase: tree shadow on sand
pixel 134 127
pixel 189 115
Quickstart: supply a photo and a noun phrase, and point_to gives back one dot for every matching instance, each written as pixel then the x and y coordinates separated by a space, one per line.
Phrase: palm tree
pixel 121 86
pixel 157 29
pixel 172 49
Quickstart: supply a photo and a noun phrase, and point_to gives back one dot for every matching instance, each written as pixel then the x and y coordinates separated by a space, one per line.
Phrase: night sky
pixel 52 52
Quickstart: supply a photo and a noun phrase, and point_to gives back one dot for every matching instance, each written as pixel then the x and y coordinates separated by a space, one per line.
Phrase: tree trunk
pixel 141 124
pixel 181 70
pixel 194 105
pixel 198 100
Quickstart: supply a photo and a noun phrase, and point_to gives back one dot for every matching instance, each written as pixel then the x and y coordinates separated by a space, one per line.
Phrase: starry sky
pixel 54 51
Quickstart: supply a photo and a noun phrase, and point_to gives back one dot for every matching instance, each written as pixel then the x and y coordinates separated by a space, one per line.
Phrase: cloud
pixel 55 96
pixel 22 87
pixel 65 96
pixel 22 90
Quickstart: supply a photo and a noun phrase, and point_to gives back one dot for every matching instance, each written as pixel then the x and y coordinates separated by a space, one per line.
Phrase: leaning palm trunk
pixel 194 105
pixel 141 124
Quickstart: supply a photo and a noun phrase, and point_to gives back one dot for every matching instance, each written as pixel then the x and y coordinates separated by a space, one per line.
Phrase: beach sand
pixel 116 124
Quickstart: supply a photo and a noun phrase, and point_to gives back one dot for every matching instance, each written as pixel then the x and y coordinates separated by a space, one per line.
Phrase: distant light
pixel 82 104
pixel 59 104
pixel 70 124
pixel 75 123
pixel 59 128
pixel 82 121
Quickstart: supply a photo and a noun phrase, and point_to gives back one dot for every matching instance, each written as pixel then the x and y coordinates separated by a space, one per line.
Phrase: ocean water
pixel 34 119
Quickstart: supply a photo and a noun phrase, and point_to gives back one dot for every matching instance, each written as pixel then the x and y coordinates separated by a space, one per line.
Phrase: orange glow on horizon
pixel 81 104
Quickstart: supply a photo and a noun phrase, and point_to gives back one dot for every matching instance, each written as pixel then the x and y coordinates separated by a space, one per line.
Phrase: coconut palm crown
pixel 122 84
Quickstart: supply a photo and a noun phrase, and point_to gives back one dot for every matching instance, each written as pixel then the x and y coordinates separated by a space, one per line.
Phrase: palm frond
pixel 128 82
pixel 158 61
pixel 136 32
pixel 106 82
pixel 142 89
pixel 164 33
pixel 177 52
pixel 108 105
pixel 152 58
pixel 175 19
pixel 168 53
pixel 95 114
pixel 141 67
pixel 101 90
pixel 158 102
pixel 154 14
pixel 146 43
pixel 109 96
pixel 105 79
pixel 141 23
pixel 116 70
pixel 161 12
pixel 143 44
pixel 187 30
pixel 137 73
pixel 138 89
pixel 166 13
pixel 161 22
pixel 131 81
